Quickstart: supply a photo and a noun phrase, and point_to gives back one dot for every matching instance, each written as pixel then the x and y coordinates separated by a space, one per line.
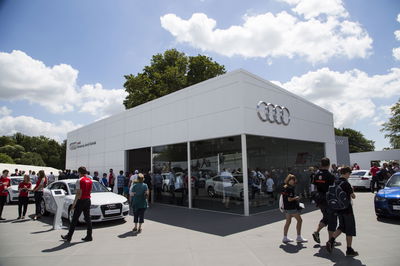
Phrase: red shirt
pixel 374 170
pixel 85 185
pixel 23 192
pixel 41 181
pixel 4 184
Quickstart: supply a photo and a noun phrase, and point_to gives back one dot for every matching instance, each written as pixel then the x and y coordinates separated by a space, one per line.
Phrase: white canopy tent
pixel 26 168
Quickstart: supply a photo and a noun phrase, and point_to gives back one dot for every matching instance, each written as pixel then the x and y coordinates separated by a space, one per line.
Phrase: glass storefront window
pixel 170 174
pixel 217 177
pixel 270 160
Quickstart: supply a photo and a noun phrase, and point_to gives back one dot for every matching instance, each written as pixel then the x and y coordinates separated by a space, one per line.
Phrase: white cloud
pixel 314 8
pixel 4 111
pixel 396 53
pixel 397 35
pixel 34 127
pixel 101 102
pixel 398 18
pixel 276 35
pixel 54 88
pixel 348 95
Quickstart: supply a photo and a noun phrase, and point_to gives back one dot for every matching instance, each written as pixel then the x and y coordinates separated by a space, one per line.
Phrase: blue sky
pixel 62 62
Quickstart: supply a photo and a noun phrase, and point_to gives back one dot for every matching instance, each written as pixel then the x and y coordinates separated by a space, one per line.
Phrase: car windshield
pixel 394 181
pixel 96 187
pixel 358 173
pixel 16 181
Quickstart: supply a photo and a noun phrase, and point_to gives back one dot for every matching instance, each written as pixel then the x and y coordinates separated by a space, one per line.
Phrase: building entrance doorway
pixel 138 159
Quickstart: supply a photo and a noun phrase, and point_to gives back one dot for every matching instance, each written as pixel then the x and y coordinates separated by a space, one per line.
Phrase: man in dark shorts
pixel 81 204
pixel 322 180
pixel 347 223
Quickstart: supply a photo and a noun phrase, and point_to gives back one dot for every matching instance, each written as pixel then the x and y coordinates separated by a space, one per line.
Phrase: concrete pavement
pixel 179 236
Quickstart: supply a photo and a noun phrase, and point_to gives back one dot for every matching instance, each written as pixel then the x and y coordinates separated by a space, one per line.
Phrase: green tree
pixel 4 158
pixel 31 158
pixel 167 73
pixel 392 126
pixel 14 151
pixel 357 141
pixel 6 140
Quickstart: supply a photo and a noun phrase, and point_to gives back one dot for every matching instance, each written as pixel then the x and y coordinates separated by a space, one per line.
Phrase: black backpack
pixel 336 197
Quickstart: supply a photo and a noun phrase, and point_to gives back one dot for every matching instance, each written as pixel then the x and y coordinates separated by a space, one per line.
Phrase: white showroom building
pixel 223 125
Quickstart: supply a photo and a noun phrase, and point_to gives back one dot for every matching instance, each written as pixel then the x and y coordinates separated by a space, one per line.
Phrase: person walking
pixel 4 184
pixel 24 187
pixel 139 202
pixel 347 222
pixel 374 170
pixel 81 204
pixel 292 209
pixel 104 180
pixel 38 192
pixel 322 180
pixel 120 182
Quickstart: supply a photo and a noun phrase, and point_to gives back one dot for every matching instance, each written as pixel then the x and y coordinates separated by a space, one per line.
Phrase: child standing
pixel 292 209
pixel 347 223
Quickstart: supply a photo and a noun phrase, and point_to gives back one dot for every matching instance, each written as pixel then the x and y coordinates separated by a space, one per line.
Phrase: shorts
pixel 295 211
pixel 347 224
pixel 329 218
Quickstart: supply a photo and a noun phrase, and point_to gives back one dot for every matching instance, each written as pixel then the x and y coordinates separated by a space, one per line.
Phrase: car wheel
pixel 211 192
pixel 43 210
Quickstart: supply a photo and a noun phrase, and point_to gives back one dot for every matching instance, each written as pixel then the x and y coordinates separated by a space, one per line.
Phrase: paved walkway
pixel 179 236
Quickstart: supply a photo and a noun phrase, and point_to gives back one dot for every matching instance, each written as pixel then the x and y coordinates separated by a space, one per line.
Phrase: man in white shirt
pixel 133 179
pixel 270 189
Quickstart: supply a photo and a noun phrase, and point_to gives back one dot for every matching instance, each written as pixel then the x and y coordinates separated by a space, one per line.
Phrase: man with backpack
pixel 339 199
pixel 322 180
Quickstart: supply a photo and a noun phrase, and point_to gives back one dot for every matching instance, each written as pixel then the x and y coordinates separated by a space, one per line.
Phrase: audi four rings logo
pixel 273 113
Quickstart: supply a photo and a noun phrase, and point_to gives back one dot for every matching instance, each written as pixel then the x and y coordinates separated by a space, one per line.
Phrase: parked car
pixel 387 200
pixel 13 192
pixel 105 205
pixel 215 186
pixel 360 179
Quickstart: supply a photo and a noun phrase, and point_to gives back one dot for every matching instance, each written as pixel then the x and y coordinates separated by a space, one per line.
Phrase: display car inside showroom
pixel 211 132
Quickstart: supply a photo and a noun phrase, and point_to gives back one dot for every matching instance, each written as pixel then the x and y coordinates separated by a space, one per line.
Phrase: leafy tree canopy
pixel 392 126
pixel 4 158
pixel 24 149
pixel 167 73
pixel 357 141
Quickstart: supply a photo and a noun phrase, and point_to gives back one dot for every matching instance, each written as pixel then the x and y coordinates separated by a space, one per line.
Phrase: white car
pixel 215 186
pixel 13 192
pixel 360 179
pixel 105 205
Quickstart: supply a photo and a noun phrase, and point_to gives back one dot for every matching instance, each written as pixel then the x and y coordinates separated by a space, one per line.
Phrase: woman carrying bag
pixel 139 195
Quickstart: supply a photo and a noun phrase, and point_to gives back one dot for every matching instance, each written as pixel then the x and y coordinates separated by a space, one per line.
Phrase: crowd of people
pixel 137 187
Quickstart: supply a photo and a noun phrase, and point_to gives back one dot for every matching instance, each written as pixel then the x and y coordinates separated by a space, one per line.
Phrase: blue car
pixel 387 200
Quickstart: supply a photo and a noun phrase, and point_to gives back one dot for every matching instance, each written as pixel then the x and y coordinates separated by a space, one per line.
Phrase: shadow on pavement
pixel 292 248
pixel 62 246
pixel 338 257
pixel 389 220
pixel 128 234
pixel 220 224
pixel 80 226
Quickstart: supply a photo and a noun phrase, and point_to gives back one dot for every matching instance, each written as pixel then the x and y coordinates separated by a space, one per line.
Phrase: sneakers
pixel 2 219
pixel 87 239
pixel 300 239
pixel 337 244
pixel 66 238
pixel 286 239
pixel 351 252
pixel 329 246
pixel 315 235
